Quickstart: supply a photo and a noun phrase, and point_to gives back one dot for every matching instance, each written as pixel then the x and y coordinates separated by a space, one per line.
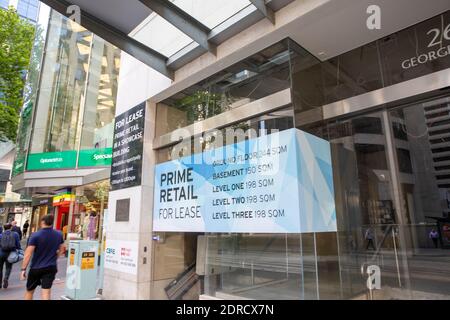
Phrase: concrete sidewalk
pixel 16 288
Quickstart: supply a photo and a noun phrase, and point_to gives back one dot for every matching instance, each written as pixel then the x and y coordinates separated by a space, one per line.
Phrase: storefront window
pixel 425 194
pixel 89 209
pixel 258 76
pixel 176 255
pixel 391 174
pixel 99 108
pixel 366 213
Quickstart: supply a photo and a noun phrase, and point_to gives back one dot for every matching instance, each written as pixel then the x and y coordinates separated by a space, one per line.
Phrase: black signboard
pixel 41 201
pixel 123 210
pixel 126 167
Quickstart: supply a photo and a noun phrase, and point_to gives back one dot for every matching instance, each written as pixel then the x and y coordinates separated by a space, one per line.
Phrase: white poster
pixel 121 256
pixel 277 183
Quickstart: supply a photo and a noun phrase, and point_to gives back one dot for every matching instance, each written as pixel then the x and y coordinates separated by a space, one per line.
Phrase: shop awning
pixel 184 29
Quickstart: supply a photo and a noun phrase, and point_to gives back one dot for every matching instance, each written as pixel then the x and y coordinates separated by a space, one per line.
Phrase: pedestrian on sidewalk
pixel 45 245
pixel 369 239
pixel 15 228
pixel 9 241
pixel 25 227
pixel 434 236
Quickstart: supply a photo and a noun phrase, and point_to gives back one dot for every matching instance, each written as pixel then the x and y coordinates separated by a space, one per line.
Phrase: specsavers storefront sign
pixel 67 159
pixel 95 157
pixel 278 183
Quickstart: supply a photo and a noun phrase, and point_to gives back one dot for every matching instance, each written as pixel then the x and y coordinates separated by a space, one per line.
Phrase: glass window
pixel 22 8
pixel 404 160
pixel 425 192
pixel 280 120
pixel 174 258
pixel 167 40
pixel 401 51
pixel 30 91
pixel 367 125
pixel 90 204
pixel 32 13
pixel 256 77
pixel 99 108
pixel 4 3
pixel 399 131
pixel 62 86
pixel 366 216
pixel 212 12
pixel 236 265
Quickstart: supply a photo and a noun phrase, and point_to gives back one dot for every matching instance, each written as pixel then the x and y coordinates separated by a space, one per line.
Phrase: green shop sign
pixel 95 157
pixel 52 160
pixel 18 165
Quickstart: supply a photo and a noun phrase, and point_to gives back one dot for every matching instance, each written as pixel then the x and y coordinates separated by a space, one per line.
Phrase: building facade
pixel 27 9
pixel 361 118
pixel 63 149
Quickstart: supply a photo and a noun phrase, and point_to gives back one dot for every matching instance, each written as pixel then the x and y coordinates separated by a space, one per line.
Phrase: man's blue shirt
pixel 46 242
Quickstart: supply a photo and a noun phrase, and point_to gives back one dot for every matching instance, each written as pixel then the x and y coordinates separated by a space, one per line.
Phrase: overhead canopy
pixel 184 29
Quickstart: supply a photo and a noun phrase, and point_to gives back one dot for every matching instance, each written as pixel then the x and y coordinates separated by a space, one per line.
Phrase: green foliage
pixel 16 40
pixel 201 105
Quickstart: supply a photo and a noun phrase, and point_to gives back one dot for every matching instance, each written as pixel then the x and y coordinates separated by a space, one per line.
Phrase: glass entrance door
pixel 421 147
pixel 369 242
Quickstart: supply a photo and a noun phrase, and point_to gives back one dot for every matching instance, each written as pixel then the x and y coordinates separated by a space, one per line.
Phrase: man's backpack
pixel 8 241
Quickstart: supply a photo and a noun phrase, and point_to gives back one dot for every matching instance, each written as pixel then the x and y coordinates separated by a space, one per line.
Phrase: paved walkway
pixel 16 288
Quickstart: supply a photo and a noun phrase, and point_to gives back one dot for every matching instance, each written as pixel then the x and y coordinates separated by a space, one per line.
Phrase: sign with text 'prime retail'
pixel 126 167
pixel 278 183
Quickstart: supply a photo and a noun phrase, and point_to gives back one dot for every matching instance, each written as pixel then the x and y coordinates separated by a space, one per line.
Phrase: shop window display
pixel 90 204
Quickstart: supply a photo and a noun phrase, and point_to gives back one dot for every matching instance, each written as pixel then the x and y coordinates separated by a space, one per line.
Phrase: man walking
pixel 369 238
pixel 25 229
pixel 434 236
pixel 15 228
pixel 45 246
pixel 9 241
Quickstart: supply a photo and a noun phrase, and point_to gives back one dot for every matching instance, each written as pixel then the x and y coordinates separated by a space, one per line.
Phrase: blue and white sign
pixel 278 183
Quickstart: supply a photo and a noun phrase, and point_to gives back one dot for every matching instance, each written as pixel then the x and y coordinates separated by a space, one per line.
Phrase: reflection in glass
pixel 99 108
pixel 366 214
pixel 256 77
pixel 425 192
pixel 63 80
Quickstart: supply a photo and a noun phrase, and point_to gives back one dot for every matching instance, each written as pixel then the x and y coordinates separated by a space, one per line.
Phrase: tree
pixel 16 40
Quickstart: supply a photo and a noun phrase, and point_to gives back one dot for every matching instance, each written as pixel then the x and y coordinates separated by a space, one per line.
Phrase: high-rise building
pixel 27 9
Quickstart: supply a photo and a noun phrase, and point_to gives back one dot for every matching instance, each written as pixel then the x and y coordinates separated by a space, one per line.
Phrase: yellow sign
pixel 72 257
pixel 88 260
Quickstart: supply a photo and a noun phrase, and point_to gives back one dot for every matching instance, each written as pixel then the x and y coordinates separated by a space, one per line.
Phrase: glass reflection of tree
pixel 201 105
pixel 101 193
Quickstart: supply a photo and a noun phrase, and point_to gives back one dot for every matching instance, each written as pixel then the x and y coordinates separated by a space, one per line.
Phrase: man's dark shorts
pixel 41 277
